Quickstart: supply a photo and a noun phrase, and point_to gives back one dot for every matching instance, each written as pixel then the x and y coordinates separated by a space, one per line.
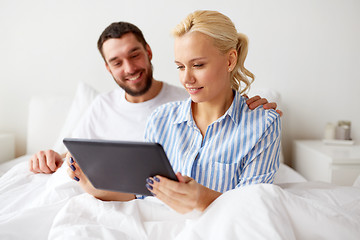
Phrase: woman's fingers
pixel 171 187
pixel 181 196
pixel 183 179
pixel 177 201
pixel 71 173
pixel 74 170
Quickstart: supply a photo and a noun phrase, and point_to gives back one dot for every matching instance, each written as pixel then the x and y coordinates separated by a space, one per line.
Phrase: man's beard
pixel 134 93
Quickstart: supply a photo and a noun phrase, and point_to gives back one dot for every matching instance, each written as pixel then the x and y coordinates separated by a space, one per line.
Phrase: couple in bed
pixel 215 140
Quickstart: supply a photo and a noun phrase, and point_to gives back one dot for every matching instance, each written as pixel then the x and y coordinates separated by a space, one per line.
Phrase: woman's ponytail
pixel 240 74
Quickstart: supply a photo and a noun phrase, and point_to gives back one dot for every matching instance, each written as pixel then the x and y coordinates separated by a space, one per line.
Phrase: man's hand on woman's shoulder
pixel 257 101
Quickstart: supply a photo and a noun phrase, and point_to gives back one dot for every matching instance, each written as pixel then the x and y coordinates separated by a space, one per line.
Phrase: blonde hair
pixel 222 30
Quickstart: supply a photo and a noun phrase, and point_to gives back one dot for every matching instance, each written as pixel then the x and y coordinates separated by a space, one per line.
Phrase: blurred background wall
pixel 306 50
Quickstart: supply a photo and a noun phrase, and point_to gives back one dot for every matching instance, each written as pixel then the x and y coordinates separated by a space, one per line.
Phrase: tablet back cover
pixel 119 165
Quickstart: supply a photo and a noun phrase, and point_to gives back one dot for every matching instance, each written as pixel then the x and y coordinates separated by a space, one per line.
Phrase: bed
pixel 52 206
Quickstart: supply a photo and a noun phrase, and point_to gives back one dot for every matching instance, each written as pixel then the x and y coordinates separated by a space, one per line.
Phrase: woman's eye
pixel 198 65
pixel 180 67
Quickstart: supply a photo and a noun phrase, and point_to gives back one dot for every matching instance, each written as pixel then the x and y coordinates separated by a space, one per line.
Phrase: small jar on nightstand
pixel 317 161
pixel 7 147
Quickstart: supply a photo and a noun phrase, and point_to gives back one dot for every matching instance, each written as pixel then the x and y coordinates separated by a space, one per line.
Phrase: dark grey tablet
pixel 118 165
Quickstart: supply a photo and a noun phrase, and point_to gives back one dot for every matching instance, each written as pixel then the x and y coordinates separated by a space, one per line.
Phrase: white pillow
pixel 45 119
pixel 270 94
pixel 84 96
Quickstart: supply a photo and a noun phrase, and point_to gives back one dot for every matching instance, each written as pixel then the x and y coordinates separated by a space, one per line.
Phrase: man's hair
pixel 117 30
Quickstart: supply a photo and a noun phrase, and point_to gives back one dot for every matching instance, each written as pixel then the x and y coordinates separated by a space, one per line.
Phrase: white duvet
pixel 38 206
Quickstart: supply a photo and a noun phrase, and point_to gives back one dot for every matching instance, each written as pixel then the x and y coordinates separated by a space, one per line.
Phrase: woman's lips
pixel 194 90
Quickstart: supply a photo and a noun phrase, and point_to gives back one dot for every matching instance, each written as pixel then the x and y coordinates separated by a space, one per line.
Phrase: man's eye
pixel 134 56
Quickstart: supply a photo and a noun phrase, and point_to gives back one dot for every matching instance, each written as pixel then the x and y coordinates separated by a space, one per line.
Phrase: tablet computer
pixel 120 165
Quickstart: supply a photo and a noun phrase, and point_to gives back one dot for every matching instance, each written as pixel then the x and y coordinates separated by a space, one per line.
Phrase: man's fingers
pixel 43 162
pixel 34 167
pixel 51 158
pixel 59 164
pixel 271 105
pixel 30 165
pixel 258 103
pixel 35 164
pixel 253 99
pixel 44 167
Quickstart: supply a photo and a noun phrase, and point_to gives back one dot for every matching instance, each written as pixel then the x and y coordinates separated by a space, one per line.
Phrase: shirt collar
pixel 235 109
pixel 185 113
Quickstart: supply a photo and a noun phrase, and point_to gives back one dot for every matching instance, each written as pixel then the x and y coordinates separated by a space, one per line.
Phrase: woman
pixel 212 137
pixel 213 140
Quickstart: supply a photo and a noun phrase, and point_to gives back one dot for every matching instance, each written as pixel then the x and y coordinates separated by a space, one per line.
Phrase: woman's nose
pixel 188 77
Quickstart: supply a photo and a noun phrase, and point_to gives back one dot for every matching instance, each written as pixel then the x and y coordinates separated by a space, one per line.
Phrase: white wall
pixel 308 50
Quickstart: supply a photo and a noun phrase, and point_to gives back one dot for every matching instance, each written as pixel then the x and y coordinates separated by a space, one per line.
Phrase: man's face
pixel 129 63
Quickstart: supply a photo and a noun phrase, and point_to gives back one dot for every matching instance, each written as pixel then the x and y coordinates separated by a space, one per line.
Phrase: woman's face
pixel 203 69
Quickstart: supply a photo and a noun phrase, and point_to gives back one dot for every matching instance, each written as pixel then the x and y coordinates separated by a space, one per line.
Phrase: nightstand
pixel 7 147
pixel 317 161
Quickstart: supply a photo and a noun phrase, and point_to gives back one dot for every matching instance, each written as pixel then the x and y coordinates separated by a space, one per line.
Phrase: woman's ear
pixel 232 59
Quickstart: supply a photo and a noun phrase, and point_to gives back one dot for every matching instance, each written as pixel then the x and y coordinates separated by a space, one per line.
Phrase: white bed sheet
pixel 39 206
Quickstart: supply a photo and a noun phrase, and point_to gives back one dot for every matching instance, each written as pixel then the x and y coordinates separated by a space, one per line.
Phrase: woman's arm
pixel 262 162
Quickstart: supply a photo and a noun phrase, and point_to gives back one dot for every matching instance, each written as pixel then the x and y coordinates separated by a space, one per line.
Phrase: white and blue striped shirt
pixel 241 147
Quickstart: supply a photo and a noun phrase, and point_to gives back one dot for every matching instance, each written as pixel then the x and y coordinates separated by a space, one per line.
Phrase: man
pixel 121 114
